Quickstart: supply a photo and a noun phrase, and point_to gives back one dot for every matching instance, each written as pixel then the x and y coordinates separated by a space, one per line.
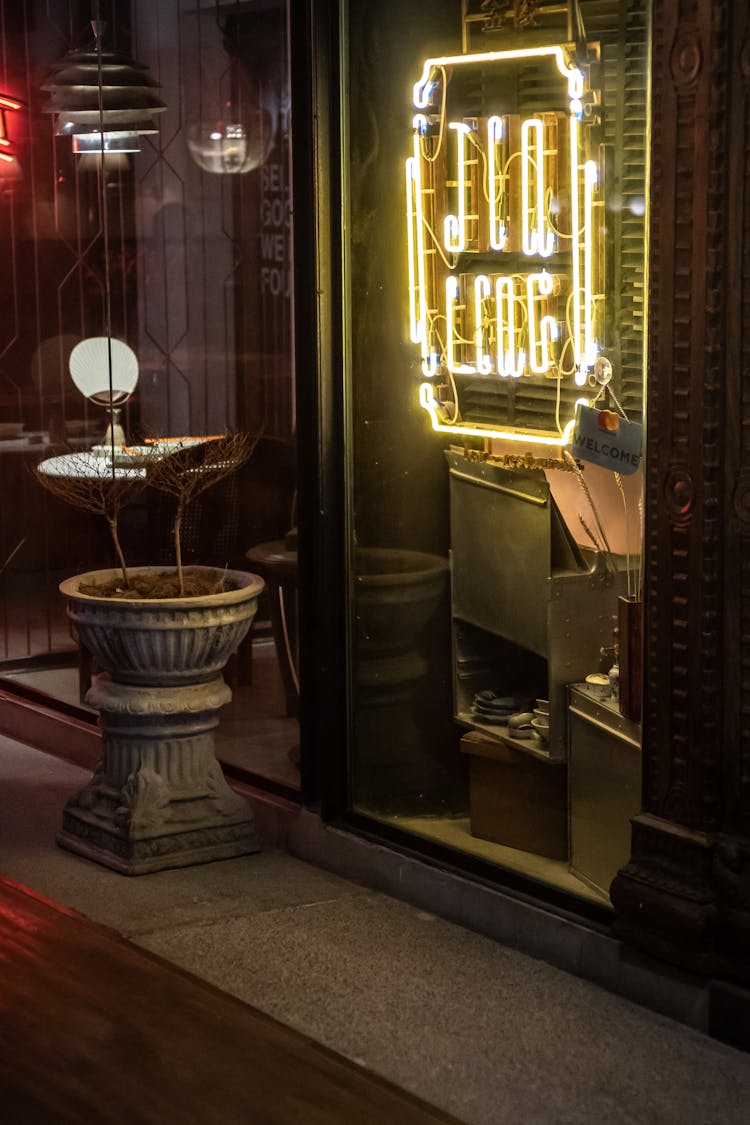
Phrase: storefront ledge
pixel 520 923
pixel 50 728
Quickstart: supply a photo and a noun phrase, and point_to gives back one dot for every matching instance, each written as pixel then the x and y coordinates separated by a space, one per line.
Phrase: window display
pixel 497 337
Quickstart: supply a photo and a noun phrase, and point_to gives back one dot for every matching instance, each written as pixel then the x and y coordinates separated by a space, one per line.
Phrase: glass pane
pixel 496 188
pixel 156 217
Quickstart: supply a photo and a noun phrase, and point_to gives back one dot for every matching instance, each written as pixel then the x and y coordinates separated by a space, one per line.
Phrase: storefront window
pixel 496 187
pixel 145 194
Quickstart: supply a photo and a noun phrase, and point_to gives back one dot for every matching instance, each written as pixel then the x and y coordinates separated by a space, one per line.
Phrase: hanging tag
pixel 604 438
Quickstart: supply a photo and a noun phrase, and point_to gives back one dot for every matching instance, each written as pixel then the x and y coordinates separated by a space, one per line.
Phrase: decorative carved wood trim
pixel 686 892
pixel 739 516
pixel 664 898
pixel 684 466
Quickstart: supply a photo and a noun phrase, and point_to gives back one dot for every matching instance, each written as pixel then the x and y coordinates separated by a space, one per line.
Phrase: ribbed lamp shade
pixel 128 100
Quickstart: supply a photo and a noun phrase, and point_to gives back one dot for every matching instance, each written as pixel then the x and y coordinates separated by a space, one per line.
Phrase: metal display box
pixel 531 609
pixel 604 784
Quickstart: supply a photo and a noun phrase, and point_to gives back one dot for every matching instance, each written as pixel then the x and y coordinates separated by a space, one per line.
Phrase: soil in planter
pixel 163 585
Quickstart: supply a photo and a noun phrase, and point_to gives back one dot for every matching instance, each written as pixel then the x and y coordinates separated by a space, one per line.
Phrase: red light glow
pixel 7 103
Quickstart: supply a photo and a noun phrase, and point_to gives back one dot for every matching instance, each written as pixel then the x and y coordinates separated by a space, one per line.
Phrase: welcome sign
pixel 504 209
pixel 603 438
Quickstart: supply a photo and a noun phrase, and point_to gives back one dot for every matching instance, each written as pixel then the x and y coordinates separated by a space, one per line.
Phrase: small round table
pixel 86 465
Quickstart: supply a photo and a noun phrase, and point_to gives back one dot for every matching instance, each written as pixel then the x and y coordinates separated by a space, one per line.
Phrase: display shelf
pixel 533 746
pixel 531 609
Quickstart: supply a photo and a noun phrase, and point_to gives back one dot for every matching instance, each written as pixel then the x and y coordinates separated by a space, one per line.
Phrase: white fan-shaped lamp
pixel 105 371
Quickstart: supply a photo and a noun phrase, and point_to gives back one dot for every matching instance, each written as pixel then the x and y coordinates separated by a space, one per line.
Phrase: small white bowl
pixel 542 707
pixel 541 729
pixel 598 685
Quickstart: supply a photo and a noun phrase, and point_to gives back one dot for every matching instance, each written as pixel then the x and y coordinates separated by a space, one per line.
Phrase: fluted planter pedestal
pixel 159 798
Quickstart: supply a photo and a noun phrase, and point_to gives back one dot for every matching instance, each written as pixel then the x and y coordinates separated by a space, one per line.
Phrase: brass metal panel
pixel 582 616
pixel 604 772
pixel 501 547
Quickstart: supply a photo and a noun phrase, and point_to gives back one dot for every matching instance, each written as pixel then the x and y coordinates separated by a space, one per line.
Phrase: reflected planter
pixel 396 593
pixel 400 764
pixel 159 798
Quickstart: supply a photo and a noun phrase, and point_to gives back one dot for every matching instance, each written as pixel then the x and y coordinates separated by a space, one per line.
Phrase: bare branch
pixel 89 484
pixel 191 469
pixel 188 471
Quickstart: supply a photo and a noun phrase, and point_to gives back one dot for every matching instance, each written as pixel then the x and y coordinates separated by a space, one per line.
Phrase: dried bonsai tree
pixel 188 471
pixel 91 486
pixel 182 472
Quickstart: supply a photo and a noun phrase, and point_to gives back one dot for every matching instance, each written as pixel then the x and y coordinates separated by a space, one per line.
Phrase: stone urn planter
pixel 159 798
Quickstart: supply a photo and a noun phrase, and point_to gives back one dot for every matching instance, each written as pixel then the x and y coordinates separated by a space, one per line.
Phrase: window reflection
pixel 178 244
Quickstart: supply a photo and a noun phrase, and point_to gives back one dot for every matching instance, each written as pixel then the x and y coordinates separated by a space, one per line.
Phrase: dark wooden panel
pixel 96 1030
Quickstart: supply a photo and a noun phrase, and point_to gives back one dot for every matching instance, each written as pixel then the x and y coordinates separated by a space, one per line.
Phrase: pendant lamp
pixel 102 99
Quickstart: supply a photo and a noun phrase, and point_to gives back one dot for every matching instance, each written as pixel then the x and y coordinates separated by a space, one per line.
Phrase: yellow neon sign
pixel 512 289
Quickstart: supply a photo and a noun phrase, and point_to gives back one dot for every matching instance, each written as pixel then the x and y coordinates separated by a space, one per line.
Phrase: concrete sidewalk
pixel 482 1031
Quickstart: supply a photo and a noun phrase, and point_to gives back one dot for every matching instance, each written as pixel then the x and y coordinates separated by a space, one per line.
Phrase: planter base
pixel 159 798
pixel 94 839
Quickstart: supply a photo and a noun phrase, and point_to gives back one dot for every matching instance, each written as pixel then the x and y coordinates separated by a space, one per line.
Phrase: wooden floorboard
pixel 95 1030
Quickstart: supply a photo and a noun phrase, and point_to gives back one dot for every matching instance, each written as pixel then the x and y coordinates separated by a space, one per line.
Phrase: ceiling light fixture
pixel 103 100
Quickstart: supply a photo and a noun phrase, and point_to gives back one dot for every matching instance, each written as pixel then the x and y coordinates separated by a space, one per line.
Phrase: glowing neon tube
pixel 590 180
pixel 495 183
pixel 541 335
pixel 509 362
pixel 451 293
pixel 415 322
pixel 431 405
pixel 422 90
pixel 539 240
pixel 575 219
pixel 455 225
pixel 482 290
pixel 416 253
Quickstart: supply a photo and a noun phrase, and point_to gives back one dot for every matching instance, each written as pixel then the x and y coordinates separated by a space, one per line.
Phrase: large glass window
pixel 175 243
pixel 496 188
